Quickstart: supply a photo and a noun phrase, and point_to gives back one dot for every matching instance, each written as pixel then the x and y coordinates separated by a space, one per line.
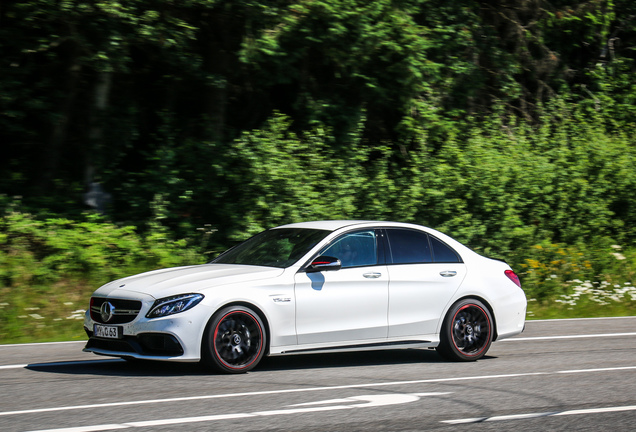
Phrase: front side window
pixel 408 247
pixel 354 249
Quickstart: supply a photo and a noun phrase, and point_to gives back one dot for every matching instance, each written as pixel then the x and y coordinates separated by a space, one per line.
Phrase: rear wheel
pixel 467 331
pixel 234 340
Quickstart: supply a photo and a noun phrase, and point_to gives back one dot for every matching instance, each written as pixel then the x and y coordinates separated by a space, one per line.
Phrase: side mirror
pixel 324 263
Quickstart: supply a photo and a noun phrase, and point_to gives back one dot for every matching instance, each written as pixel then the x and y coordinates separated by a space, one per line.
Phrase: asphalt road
pixel 558 375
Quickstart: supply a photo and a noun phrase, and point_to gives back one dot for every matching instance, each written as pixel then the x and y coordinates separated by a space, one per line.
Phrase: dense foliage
pixel 508 124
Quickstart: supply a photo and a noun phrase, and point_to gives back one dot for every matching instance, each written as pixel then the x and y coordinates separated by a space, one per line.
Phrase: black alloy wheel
pixel 234 340
pixel 467 331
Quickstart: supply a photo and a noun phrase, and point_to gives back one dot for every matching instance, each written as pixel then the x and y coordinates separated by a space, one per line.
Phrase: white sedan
pixel 313 287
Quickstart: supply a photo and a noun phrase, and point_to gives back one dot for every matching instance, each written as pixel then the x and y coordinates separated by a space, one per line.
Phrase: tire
pixel 467 331
pixel 234 340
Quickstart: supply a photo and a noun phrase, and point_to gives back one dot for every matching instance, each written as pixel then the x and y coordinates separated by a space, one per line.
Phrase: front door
pixel 350 304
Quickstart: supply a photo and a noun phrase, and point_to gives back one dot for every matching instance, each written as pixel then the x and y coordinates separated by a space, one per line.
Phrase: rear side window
pixel 408 247
pixel 442 253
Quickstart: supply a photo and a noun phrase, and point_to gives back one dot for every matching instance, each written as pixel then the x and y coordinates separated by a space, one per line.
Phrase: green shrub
pixel 49 268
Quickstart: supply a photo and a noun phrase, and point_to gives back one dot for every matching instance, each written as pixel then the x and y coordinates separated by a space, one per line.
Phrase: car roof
pixel 333 225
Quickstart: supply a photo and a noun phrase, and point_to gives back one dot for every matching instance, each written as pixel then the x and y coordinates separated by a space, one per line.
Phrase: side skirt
pixel 361 347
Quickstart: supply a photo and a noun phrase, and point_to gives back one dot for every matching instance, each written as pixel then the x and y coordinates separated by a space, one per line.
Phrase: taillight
pixel 513 277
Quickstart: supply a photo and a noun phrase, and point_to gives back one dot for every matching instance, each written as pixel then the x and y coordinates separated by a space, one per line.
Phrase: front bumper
pixel 172 338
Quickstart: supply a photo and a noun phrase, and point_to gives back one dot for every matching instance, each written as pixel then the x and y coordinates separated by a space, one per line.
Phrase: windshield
pixel 273 248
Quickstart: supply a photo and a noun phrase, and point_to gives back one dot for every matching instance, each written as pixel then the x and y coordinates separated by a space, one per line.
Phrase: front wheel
pixel 234 340
pixel 467 331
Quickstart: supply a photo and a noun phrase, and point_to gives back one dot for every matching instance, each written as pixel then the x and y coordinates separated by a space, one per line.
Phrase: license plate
pixel 108 332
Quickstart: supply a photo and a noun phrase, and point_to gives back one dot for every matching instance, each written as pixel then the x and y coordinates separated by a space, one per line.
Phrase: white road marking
pixel 63 363
pixel 311 389
pixel 42 343
pixel 579 319
pixel 363 401
pixel 598 410
pixel 358 398
pixel 266 392
pixel 76 363
pixel 544 414
pixel 171 421
pixel 606 335
pixel 22 366
pixel 89 428
pixel 597 370
pixel 497 418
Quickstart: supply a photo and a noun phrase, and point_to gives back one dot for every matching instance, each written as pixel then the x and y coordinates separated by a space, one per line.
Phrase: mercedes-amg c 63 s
pixel 312 287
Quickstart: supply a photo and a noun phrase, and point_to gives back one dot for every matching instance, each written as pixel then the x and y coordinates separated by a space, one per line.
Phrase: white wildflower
pixel 76 315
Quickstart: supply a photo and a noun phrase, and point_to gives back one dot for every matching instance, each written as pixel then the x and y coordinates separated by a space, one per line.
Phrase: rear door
pixel 424 275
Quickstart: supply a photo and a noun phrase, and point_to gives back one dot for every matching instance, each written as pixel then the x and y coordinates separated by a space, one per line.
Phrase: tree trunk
pixel 94 149
pixel 60 122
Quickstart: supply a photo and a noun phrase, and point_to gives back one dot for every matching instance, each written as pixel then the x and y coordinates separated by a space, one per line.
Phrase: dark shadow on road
pixel 350 359
pixel 119 367
pixel 139 368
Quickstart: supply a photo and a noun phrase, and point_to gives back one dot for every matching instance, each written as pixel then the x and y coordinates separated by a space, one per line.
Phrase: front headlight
pixel 175 304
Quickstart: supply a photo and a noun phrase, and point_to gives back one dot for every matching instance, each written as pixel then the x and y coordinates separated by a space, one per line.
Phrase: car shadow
pixel 350 359
pixel 141 368
pixel 119 367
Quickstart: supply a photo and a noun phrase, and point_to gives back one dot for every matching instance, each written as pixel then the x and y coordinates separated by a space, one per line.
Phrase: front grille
pixel 123 311
pixel 112 345
pixel 156 344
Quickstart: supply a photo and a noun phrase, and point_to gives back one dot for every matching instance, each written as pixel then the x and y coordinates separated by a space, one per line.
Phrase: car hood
pixel 180 280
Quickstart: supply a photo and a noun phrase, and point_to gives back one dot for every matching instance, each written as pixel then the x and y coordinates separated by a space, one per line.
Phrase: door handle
pixel 448 273
pixel 373 275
